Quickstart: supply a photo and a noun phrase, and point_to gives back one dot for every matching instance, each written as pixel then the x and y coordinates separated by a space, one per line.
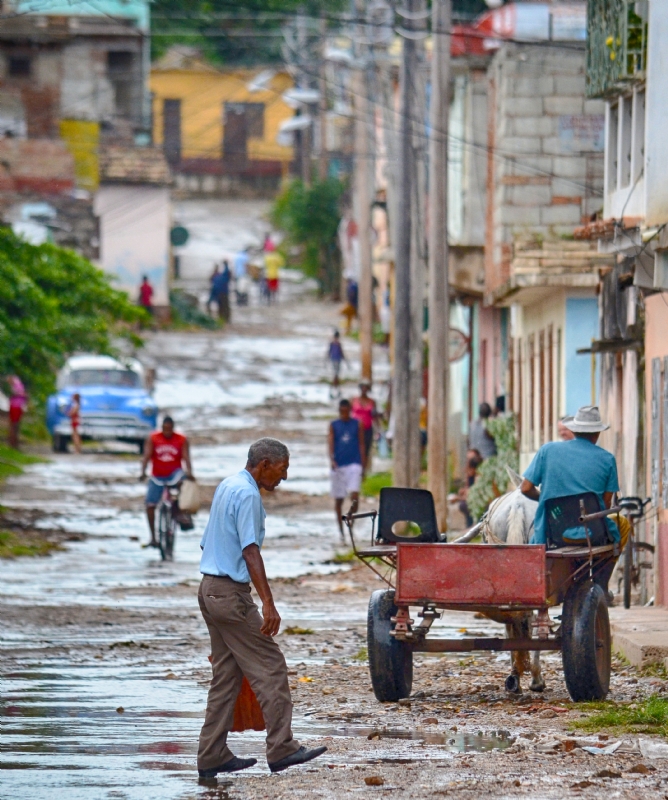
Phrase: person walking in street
pixel 242 641
pixel 273 261
pixel 220 288
pixel 241 281
pixel 480 438
pixel 18 401
pixel 347 459
pixel 212 296
pixel 146 295
pixel 335 356
pixel 74 413
pixel 168 453
pixel 364 411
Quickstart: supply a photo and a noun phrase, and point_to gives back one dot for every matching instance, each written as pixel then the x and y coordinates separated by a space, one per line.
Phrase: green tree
pixel 53 302
pixel 492 479
pixel 310 216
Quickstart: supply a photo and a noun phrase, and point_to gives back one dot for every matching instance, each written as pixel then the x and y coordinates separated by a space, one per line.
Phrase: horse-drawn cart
pixel 511 584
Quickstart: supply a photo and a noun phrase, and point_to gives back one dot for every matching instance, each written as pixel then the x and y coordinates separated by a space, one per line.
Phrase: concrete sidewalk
pixel 640 634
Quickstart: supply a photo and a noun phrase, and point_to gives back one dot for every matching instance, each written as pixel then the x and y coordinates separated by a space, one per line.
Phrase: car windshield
pixel 104 377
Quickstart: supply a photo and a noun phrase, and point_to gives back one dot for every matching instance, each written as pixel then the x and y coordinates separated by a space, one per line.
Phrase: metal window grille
pixel 616 45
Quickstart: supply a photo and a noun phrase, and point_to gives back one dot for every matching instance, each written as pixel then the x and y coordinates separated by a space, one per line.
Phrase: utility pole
pixel 439 296
pixel 362 202
pixel 409 288
pixel 323 167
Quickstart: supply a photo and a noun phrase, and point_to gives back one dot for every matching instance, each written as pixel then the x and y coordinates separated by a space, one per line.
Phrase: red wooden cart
pixel 503 582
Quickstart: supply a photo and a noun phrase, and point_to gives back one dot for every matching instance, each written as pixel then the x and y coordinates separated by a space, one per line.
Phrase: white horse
pixel 510 520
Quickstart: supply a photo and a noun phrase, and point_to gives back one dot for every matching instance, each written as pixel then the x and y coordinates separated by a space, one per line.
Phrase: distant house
pixel 134 210
pixel 219 128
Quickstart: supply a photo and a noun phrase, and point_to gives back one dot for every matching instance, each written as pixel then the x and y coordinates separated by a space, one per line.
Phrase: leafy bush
pixel 310 216
pixel 492 478
pixel 53 302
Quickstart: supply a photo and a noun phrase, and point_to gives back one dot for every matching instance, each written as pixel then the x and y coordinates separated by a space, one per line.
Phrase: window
pixel 119 62
pixel 625 141
pixel 19 67
pixel 626 132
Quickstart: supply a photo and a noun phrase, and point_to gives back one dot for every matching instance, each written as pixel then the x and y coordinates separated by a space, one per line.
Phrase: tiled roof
pixel 126 164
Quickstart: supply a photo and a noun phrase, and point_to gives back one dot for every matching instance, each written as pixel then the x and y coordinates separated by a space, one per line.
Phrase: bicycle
pixel 635 508
pixel 167 513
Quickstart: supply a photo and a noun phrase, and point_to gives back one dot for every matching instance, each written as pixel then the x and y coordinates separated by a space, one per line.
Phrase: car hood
pixel 107 398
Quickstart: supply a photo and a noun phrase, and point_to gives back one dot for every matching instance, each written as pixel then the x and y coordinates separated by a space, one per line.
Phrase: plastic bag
pixel 189 497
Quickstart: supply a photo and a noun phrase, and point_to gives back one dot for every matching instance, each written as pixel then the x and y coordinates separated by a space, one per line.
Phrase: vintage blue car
pixel 115 401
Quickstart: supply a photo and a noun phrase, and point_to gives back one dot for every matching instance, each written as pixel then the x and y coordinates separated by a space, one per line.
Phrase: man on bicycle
pixel 167 451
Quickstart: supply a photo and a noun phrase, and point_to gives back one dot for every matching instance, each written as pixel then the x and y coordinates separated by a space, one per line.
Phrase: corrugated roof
pixel 126 164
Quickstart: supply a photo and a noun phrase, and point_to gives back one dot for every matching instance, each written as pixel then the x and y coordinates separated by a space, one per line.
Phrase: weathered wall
pixel 545 158
pixel 134 236
pixel 203 94
pixel 656 123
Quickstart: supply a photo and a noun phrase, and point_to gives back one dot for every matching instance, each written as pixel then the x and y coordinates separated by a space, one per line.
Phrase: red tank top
pixel 167 453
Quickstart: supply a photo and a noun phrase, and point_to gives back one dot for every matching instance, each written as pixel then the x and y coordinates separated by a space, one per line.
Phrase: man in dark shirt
pixel 220 289
pixel 347 456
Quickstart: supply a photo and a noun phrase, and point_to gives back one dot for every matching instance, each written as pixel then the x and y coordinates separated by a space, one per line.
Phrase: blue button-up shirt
pixel 573 467
pixel 236 521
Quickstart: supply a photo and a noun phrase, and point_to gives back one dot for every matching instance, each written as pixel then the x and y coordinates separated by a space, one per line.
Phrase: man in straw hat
pixel 574 467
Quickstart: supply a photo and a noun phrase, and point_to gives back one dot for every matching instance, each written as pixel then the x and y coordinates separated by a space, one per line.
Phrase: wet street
pixel 104 652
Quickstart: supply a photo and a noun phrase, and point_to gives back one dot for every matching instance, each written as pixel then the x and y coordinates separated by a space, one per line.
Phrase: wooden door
pixel 171 130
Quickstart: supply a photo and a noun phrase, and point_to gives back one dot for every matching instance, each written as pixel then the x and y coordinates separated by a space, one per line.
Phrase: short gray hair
pixel 268 448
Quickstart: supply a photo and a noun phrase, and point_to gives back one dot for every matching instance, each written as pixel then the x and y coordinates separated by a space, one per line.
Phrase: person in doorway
pixel 221 290
pixel 335 356
pixel 364 411
pixel 74 413
pixel 473 461
pixel 146 295
pixel 212 296
pixel 273 261
pixel 242 641
pixel 347 459
pixel 18 401
pixel 480 438
pixel 168 453
pixel 574 467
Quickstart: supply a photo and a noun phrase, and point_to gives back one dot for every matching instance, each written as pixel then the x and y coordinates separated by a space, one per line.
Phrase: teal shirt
pixel 236 521
pixel 573 467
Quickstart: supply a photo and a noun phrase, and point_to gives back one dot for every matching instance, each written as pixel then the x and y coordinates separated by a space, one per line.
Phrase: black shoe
pixel 233 765
pixel 300 757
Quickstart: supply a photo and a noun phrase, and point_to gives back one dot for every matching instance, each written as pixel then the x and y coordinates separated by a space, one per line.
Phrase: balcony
pixel 537 268
pixel 616 45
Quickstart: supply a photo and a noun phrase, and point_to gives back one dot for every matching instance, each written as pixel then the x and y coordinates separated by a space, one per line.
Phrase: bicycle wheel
pixel 628 571
pixel 165 533
pixel 171 535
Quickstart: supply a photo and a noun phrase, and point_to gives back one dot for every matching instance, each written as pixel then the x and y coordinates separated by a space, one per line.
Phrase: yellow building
pixel 211 121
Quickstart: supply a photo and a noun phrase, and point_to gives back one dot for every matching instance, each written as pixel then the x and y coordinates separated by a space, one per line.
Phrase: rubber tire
pixel 165 532
pixel 628 560
pixel 390 661
pixel 140 445
pixel 586 661
pixel 59 443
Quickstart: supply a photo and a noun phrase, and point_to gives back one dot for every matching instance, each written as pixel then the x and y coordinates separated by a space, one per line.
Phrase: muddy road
pixel 104 653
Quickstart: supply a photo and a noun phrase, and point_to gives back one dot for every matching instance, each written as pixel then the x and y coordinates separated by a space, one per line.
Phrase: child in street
pixel 74 413
pixel 348 461
pixel 335 356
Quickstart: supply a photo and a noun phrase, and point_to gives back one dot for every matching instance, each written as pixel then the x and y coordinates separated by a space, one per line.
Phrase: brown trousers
pixel 238 648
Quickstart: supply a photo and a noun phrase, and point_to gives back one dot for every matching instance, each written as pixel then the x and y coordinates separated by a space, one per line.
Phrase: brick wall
pixel 41 165
pixel 545 159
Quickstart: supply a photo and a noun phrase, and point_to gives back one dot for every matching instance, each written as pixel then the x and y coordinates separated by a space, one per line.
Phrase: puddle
pixel 453 742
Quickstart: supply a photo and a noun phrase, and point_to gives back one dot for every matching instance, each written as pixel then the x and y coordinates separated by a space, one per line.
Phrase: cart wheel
pixel 59 443
pixel 628 565
pixel 586 642
pixel 390 661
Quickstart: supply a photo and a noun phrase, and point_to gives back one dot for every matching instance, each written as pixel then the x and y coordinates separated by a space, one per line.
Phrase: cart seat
pixel 378 551
pixel 406 505
pixel 562 513
pixel 574 551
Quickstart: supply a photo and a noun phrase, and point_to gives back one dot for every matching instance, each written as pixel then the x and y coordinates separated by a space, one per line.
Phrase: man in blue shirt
pixel 347 456
pixel 574 467
pixel 241 639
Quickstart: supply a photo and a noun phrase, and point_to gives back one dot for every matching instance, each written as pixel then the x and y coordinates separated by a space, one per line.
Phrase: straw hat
pixel 587 420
